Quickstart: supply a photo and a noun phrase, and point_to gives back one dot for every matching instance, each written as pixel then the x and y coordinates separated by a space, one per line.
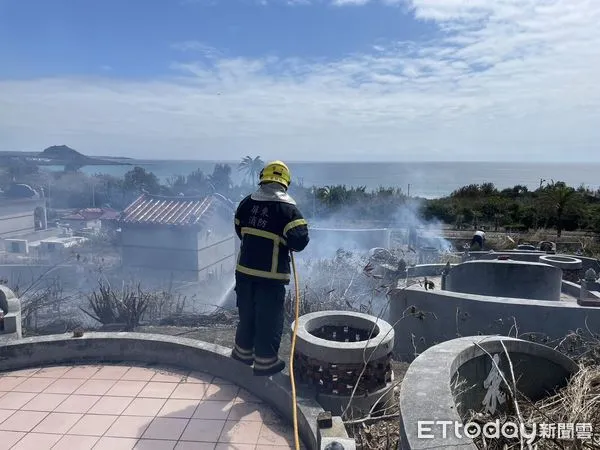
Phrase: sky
pixel 303 80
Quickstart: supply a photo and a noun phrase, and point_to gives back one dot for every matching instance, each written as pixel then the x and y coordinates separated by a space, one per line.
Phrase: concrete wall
pixel 22 276
pixel 515 279
pixel 325 241
pixel 424 318
pixel 161 249
pixel 426 270
pixel 17 217
pixel 40 235
pixel 77 225
pixel 180 253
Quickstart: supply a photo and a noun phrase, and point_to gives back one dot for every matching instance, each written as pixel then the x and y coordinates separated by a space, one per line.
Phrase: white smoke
pixel 430 232
pixel 331 267
pixel 344 231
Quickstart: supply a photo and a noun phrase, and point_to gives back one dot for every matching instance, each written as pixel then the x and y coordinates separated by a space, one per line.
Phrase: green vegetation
pixel 554 205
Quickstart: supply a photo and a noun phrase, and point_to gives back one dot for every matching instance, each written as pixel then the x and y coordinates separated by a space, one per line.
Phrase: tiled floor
pixel 125 407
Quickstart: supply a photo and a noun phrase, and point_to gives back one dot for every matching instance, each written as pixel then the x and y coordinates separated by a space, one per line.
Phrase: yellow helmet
pixel 276 171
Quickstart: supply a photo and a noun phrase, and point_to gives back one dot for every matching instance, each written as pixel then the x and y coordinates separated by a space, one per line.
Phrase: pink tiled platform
pixel 127 407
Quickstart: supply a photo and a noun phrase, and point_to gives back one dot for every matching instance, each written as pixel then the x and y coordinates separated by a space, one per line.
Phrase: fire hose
pixel 294 334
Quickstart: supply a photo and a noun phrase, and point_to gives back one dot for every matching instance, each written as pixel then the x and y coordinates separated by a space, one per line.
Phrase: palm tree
pixel 560 199
pixel 252 167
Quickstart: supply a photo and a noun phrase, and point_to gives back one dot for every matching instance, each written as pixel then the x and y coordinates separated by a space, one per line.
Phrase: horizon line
pixel 225 161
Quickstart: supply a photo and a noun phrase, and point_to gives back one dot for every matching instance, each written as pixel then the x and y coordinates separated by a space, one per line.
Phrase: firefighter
pixel 269 226
pixel 478 238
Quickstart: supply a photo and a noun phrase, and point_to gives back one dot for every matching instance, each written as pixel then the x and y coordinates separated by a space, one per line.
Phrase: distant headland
pixel 61 155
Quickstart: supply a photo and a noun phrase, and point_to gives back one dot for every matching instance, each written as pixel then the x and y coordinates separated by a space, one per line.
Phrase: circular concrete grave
pixel 526 247
pixel 570 266
pixel 331 350
pixel 562 262
pixel 513 279
pixel 434 388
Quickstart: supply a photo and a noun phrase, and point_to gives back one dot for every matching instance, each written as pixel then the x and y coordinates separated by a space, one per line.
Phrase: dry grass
pixel 337 284
pixel 381 432
pixel 577 403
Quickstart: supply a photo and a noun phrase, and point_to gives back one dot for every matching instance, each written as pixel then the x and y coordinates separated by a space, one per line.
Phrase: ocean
pixel 425 179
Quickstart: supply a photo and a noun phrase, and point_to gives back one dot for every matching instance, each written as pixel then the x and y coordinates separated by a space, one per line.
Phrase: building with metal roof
pixel 182 238
pixel 89 218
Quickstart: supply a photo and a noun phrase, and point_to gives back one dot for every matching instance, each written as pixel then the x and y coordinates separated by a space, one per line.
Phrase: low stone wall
pixel 427 270
pixel 531 256
pixel 429 391
pixel 40 275
pixel 170 351
pixel 570 288
pixel 424 318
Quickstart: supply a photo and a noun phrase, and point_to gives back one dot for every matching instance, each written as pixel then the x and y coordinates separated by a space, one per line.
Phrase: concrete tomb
pixel 330 351
pixel 468 375
pixel 571 267
pixel 506 278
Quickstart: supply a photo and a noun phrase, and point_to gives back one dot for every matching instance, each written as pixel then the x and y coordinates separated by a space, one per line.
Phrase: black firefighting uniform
pixel 268 231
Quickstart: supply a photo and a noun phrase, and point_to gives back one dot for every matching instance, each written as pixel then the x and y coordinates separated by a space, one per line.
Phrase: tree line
pixel 553 205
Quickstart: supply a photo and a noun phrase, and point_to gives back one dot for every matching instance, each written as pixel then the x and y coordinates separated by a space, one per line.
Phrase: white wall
pixel 160 248
pixel 16 246
pixel 217 248
pixel 179 252
pixel 17 218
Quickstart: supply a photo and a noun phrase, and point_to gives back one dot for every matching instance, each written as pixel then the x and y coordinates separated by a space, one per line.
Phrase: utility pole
pixel 408 190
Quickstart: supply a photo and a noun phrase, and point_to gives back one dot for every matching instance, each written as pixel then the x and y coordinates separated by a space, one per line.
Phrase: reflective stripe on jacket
pixel 268 231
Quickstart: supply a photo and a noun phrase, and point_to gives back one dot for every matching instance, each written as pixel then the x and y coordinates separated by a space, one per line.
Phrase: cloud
pixel 508 80
pixel 196 46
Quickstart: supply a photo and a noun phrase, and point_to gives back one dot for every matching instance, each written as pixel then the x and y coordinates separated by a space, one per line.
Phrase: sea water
pixel 425 179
